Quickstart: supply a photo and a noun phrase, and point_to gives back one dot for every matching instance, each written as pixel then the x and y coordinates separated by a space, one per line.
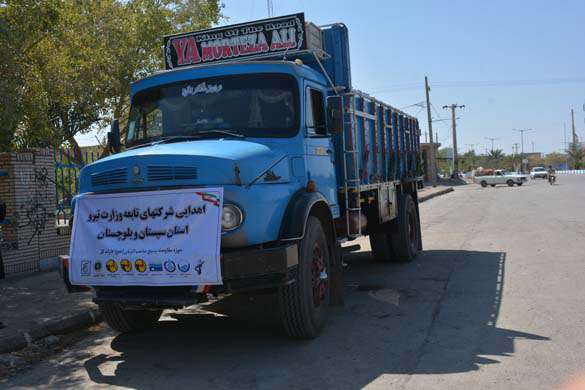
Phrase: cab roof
pixel 223 69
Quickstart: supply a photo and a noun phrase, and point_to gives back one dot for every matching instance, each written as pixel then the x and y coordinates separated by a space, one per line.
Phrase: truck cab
pixel 280 138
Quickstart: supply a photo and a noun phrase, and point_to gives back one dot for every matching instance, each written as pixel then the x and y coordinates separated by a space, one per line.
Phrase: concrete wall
pixel 31 238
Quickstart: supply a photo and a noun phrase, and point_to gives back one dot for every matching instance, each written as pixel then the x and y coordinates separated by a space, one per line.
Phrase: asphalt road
pixel 495 301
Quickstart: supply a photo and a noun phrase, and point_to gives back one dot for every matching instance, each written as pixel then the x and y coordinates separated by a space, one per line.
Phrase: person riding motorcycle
pixel 552 175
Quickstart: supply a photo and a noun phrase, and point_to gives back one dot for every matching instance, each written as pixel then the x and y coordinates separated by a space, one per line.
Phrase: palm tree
pixel 496 154
pixel 495 157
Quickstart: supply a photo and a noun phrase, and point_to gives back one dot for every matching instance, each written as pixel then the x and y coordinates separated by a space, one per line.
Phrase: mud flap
pixel 336 278
pixel 420 245
pixel 64 271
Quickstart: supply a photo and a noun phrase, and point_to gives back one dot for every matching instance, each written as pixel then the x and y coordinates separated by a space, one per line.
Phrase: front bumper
pixel 246 269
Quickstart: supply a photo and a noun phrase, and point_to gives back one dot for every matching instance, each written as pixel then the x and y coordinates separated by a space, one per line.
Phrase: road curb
pixel 444 191
pixel 55 327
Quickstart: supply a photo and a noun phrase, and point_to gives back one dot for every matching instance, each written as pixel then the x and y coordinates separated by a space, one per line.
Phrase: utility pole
pixel 453 107
pixel 515 148
pixel 270 8
pixel 491 139
pixel 522 131
pixel 565 136
pixel 566 151
pixel 573 128
pixel 432 158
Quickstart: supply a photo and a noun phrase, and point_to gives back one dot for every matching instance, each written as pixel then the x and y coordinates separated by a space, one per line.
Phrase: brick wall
pixel 29 193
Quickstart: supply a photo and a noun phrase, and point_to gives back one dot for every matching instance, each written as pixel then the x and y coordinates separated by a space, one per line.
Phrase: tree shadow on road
pixel 432 316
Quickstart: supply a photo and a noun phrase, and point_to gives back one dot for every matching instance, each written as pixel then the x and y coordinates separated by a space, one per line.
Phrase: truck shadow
pixel 432 316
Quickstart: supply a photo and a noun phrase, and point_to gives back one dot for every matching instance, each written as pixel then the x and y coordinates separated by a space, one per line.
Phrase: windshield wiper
pixel 166 140
pixel 187 137
pixel 224 132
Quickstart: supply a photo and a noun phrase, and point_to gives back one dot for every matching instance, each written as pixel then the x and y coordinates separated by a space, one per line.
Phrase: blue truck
pixel 266 111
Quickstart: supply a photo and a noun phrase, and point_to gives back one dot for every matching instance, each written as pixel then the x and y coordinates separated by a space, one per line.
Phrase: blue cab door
pixel 319 149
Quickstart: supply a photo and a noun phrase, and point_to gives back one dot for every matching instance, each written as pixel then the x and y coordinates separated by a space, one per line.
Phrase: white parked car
pixel 538 173
pixel 501 177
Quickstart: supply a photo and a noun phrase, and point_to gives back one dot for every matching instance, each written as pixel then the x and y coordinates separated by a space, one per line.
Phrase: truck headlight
pixel 231 218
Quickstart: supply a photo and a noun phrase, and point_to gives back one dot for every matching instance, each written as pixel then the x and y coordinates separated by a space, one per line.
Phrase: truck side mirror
pixel 334 114
pixel 114 136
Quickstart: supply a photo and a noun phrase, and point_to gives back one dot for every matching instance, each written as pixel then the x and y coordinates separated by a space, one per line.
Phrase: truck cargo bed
pixel 379 143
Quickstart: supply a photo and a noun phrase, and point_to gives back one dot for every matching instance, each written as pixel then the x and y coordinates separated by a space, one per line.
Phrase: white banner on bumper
pixel 156 238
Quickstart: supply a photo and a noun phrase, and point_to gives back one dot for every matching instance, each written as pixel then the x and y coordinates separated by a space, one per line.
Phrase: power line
pixel 419 104
pixel 485 83
pixel 491 139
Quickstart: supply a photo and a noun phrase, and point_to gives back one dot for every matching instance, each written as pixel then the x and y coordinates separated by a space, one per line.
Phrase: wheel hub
pixel 319 276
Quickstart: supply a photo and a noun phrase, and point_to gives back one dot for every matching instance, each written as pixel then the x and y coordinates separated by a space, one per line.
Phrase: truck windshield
pixel 250 105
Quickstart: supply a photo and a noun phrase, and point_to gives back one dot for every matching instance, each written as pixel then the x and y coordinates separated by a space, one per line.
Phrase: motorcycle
pixel 552 179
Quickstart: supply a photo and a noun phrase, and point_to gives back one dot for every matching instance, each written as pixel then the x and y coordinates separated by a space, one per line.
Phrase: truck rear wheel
pixel 125 321
pixel 304 303
pixel 405 235
pixel 484 183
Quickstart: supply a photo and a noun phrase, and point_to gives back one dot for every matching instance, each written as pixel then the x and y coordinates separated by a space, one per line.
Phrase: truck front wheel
pixel 405 235
pixel 510 183
pixel 304 303
pixel 125 321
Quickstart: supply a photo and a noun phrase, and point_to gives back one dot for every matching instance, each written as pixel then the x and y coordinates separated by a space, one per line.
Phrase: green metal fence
pixel 67 180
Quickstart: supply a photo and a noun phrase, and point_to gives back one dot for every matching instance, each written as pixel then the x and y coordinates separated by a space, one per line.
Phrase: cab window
pixel 315 112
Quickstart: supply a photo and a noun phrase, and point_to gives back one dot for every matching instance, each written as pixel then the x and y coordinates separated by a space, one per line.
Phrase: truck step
pixel 351 248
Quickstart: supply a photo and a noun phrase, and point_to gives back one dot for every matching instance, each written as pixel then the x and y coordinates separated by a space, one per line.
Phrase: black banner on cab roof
pixel 246 40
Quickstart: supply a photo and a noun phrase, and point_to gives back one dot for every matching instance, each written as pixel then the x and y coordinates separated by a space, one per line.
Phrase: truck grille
pixel 163 173
pixel 113 176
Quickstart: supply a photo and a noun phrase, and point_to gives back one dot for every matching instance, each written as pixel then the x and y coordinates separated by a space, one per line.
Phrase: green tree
pixel 535 161
pixel 494 158
pixel 555 159
pixel 79 57
pixel 576 155
pixel 24 25
pixel 468 160
pixel 443 161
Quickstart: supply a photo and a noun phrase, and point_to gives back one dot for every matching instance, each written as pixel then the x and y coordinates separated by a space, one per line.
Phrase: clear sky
pixel 514 64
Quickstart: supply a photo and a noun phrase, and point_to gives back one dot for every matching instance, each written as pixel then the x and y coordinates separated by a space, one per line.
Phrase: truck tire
pixel 381 244
pixel 519 184
pixel 510 183
pixel 126 321
pixel 484 183
pixel 304 303
pixel 405 235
